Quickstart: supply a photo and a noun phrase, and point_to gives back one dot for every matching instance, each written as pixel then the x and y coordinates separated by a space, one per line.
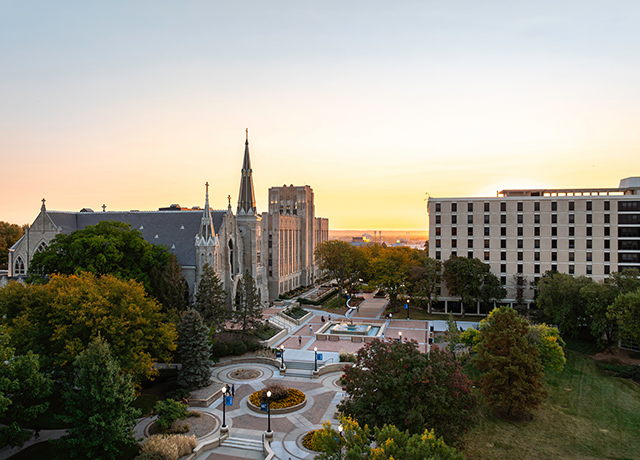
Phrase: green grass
pixel 587 415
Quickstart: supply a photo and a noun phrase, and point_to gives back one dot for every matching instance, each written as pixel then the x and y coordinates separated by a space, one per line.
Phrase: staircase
pixel 243 444
pixel 282 324
pixel 302 369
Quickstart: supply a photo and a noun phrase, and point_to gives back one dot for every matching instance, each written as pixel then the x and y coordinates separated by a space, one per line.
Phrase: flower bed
pixel 294 398
pixel 307 440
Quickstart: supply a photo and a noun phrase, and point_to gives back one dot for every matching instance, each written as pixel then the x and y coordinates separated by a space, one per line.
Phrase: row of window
pixel 520 231
pixel 628 219
pixel 622 206
pixel 536 244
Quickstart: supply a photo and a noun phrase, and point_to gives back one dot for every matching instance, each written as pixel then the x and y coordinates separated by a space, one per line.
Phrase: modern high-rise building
pixel 522 234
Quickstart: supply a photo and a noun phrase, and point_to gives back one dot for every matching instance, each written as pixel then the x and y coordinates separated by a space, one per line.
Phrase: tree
pixel 559 296
pixel 211 300
pixel 550 346
pixel 9 234
pixel 424 279
pixel 392 382
pixel 101 419
pixel 598 296
pixel 170 288
pixel 626 311
pixel 168 411
pixel 116 249
pixel 341 261
pixel 59 319
pixel 354 443
pixel 511 382
pixel 472 281
pixel 22 388
pixel 248 313
pixel 193 351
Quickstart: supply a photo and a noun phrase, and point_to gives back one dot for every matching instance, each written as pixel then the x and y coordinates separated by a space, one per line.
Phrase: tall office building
pixel 522 234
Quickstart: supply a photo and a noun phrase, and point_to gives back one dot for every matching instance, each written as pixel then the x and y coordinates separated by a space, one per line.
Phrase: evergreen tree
pixel 511 382
pixel 193 351
pixel 211 300
pixel 248 313
pixel 101 419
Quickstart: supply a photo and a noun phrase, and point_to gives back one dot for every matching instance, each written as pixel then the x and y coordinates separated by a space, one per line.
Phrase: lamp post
pixel 282 358
pixel 341 431
pixel 224 406
pixel 400 335
pixel 268 411
pixel 315 361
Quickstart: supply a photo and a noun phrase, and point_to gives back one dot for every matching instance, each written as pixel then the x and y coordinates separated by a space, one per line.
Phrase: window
pixel 554 244
pixel 454 207
pixel 503 255
pixel 554 267
pixel 469 207
pixel 589 206
pixel 503 207
pixel 554 231
pixel 454 219
pixel 503 231
pixel 520 255
pixel 607 257
pixel 589 218
pixel 536 218
pixel 454 243
pixel 589 231
pixel 536 268
pixel 607 231
pixel 486 244
pixel 536 206
pixel 520 268
pixel 486 231
pixel 437 255
pixel 438 232
pixel 438 207
pixel 572 269
pixel 536 231
pixel 503 244
pixel 554 218
pixel 589 256
pixel 607 244
pixel 589 244
pixel 572 206
pixel 503 218
pixel 572 218
pixel 554 256
pixel 503 268
pixel 607 218
pixel 520 206
pixel 606 269
pixel 606 205
pixel 486 255
pixel 572 231
pixel 18 267
pixel 520 244
pixel 470 255
pixel 536 256
pixel 572 257
pixel 536 244
pixel 486 207
pixel 438 242
pixel 470 219
pixel 572 244
pixel 554 205
pixel 487 219
pixel 454 231
pixel 454 253
pixel 438 220
pixel 520 231
pixel 469 231
pixel 520 219
pixel 503 280
pixel 469 243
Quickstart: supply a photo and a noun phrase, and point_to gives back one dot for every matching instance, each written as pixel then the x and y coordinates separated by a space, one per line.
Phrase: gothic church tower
pixel 207 245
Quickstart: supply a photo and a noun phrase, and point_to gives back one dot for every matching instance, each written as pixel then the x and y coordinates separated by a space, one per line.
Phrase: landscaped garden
pixel 281 397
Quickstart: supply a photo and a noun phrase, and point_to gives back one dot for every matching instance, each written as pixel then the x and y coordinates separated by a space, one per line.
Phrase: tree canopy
pixel 211 300
pixel 59 319
pixel 341 261
pixel 393 382
pixel 193 351
pixel 9 234
pixel 248 312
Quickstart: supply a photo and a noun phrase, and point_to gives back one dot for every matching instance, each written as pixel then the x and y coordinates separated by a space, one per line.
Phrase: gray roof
pixel 174 229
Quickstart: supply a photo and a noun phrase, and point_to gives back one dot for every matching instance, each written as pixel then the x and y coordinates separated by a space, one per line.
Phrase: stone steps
pixel 243 444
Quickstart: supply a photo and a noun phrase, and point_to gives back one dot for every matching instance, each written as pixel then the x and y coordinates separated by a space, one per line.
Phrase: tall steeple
pixel 206 226
pixel 246 198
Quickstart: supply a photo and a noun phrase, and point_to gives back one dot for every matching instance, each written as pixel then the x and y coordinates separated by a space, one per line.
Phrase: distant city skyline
pixel 372 104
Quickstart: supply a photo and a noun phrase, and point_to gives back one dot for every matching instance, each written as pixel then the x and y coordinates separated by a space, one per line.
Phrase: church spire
pixel 246 198
pixel 206 226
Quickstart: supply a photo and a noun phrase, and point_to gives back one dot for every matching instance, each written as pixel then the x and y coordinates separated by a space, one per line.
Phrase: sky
pixel 374 104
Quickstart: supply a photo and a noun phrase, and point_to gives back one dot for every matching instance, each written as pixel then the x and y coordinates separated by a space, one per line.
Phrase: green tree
pixel 424 280
pixel 9 234
pixel 453 333
pixel 342 262
pixel 170 288
pixel 168 411
pixel 550 346
pixel 626 311
pixel 59 319
pixel 22 388
pixel 392 382
pixel 113 248
pixel 193 351
pixel 390 270
pixel 511 382
pixel 211 300
pixel 559 296
pixel 598 296
pixel 101 419
pixel 248 312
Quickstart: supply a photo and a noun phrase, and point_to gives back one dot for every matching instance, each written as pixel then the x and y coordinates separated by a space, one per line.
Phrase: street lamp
pixel 269 411
pixel 400 334
pixel 315 363
pixel 224 406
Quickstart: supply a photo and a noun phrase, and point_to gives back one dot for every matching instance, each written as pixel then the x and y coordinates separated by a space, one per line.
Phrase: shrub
pixel 239 347
pixel 294 397
pixel 150 456
pixel 346 357
pixel 178 394
pixel 278 392
pixel 220 348
pixel 169 411
pixel 307 440
pixel 170 447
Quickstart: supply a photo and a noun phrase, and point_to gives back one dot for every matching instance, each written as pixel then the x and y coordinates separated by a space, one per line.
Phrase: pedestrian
pixel 36 433
pixel 233 389
pixel 322 318
pixel 299 340
pixel 310 328
pixel 383 336
pixel 329 317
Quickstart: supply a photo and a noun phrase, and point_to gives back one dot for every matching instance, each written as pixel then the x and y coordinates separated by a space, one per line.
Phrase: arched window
pixel 41 247
pixel 18 267
pixel 231 259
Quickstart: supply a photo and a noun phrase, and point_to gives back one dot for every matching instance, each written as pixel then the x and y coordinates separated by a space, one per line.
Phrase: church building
pixel 275 247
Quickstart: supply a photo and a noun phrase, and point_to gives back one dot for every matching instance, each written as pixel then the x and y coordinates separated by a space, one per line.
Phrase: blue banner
pixel 278 354
pixel 319 356
pixel 263 407
pixel 229 400
pixel 406 307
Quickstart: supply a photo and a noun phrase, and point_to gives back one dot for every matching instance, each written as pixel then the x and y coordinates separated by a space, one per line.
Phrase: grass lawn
pixel 587 415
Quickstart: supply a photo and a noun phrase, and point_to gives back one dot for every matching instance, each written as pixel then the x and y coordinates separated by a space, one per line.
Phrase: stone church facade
pixel 276 247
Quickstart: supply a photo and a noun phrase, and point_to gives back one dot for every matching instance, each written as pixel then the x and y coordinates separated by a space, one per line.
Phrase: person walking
pixel 233 389
pixel 299 340
pixel 36 433
pixel 310 328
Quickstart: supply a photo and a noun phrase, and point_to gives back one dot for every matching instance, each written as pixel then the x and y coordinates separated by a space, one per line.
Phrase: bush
pixel 239 347
pixel 220 348
pixel 178 394
pixel 278 392
pixel 169 411
pixel 150 456
pixel 307 440
pixel 170 447
pixel 294 397
pixel 346 357
pixel 621 370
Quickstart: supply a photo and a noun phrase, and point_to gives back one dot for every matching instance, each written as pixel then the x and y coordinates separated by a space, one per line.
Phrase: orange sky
pixel 371 104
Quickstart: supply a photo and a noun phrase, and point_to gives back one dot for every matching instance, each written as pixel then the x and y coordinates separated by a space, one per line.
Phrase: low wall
pixel 253 360
pixel 206 446
pixel 333 367
pixel 275 339
pixel 298 322
pixel 270 455
pixel 286 410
